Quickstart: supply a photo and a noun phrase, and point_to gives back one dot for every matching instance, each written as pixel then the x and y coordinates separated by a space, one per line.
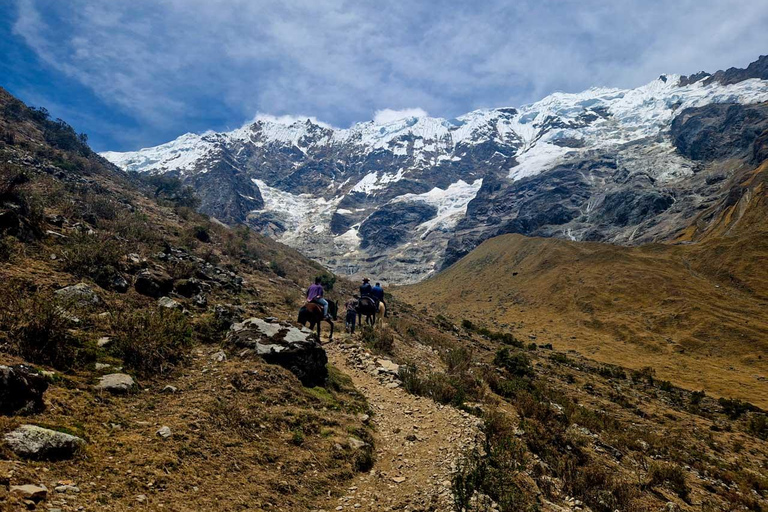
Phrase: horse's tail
pixel 302 313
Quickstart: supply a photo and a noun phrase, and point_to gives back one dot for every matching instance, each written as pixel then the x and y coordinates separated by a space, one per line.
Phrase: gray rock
pixel 356 443
pixel 21 390
pixel 30 492
pixel 79 295
pixel 165 432
pixel 169 389
pixel 283 344
pixel 67 489
pixel 219 356
pixel 116 383
pixel 104 341
pixel 33 442
pixel 167 302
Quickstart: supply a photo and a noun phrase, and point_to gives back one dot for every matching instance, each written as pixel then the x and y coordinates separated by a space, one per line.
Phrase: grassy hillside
pixel 695 312
pixel 68 217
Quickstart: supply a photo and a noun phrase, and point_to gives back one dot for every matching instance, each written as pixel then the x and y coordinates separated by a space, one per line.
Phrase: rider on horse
pixel 366 290
pixel 315 294
pixel 378 293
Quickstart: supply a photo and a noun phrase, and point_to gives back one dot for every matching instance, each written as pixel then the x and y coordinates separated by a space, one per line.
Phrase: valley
pixel 581 327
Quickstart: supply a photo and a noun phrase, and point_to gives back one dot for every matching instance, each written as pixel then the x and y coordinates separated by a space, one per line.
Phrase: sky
pixel 137 73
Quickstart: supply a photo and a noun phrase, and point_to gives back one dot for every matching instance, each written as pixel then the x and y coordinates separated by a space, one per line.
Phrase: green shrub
pixel 277 268
pixel 37 328
pixel 559 358
pixel 457 360
pixel 327 280
pixel 734 408
pixel 95 256
pixel 492 471
pixel 611 372
pixel 643 374
pixel 697 397
pixel 151 342
pixel 758 425
pixel 517 364
pixel 468 325
pixel 443 388
pixel 380 340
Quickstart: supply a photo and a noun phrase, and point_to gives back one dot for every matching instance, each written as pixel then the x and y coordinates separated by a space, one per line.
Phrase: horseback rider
pixel 378 293
pixel 315 294
pixel 366 290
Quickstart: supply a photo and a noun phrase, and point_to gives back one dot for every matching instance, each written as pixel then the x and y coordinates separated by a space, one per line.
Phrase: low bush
pixel 758 425
pixel 380 340
pixel 36 328
pixel 96 256
pixel 454 388
pixel 671 475
pixel 517 364
pixel 492 471
pixel 151 342
pixel 734 408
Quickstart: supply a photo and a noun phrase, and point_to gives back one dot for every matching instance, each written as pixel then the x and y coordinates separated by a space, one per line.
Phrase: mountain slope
pixel 695 312
pixel 405 198
pixel 102 273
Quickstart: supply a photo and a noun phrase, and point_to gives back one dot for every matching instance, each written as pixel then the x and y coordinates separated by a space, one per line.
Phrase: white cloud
pixel 170 63
pixel 388 115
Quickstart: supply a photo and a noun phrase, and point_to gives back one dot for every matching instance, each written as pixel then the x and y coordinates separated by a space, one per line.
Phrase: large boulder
pixel 283 344
pixel 116 383
pixel 153 283
pixel 79 295
pixel 21 390
pixel 33 442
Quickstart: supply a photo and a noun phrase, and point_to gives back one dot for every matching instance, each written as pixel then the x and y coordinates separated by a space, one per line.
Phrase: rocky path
pixel 417 440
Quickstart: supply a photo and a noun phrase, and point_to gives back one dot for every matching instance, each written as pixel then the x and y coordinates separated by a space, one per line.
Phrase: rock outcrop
pixel 33 442
pixel 285 345
pixel 21 390
pixel 116 383
pixel 404 198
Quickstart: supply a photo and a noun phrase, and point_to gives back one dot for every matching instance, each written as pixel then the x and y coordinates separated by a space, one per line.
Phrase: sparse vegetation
pixel 380 339
pixel 671 475
pixel 153 341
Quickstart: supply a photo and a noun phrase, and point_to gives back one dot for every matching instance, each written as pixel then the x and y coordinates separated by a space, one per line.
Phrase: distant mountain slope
pixel 697 313
pixel 405 198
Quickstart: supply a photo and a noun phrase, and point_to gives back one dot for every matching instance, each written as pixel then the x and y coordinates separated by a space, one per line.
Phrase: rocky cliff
pixel 405 198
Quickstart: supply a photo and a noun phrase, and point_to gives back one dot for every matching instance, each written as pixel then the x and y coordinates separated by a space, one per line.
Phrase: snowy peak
pixel 406 193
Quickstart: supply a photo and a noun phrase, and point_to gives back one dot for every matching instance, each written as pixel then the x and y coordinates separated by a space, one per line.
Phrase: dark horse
pixel 313 313
pixel 366 307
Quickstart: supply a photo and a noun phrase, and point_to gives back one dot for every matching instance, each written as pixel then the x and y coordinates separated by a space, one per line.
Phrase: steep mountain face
pixel 405 198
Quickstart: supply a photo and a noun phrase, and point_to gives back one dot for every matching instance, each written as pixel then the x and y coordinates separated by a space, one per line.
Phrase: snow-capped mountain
pixel 401 198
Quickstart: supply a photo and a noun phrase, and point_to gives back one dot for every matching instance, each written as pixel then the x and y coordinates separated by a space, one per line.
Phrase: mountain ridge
pixel 420 192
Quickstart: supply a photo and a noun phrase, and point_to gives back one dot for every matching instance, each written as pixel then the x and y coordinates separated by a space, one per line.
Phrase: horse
pixel 381 313
pixel 366 306
pixel 312 313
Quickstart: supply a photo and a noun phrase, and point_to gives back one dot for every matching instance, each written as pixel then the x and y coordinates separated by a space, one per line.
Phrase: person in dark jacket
pixel 378 294
pixel 366 290
pixel 351 318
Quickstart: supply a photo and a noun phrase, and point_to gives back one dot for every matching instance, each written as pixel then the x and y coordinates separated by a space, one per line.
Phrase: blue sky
pixel 136 73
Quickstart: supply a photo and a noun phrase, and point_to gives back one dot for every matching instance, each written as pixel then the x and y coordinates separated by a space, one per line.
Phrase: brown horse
pixel 312 313
pixel 366 307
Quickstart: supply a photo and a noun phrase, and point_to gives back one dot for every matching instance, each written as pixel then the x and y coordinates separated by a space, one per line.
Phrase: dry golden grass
pixel 695 312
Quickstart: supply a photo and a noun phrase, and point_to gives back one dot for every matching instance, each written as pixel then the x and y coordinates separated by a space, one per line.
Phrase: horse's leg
pixel 330 336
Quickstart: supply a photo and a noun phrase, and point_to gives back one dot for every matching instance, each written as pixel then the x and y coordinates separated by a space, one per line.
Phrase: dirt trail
pixel 417 440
